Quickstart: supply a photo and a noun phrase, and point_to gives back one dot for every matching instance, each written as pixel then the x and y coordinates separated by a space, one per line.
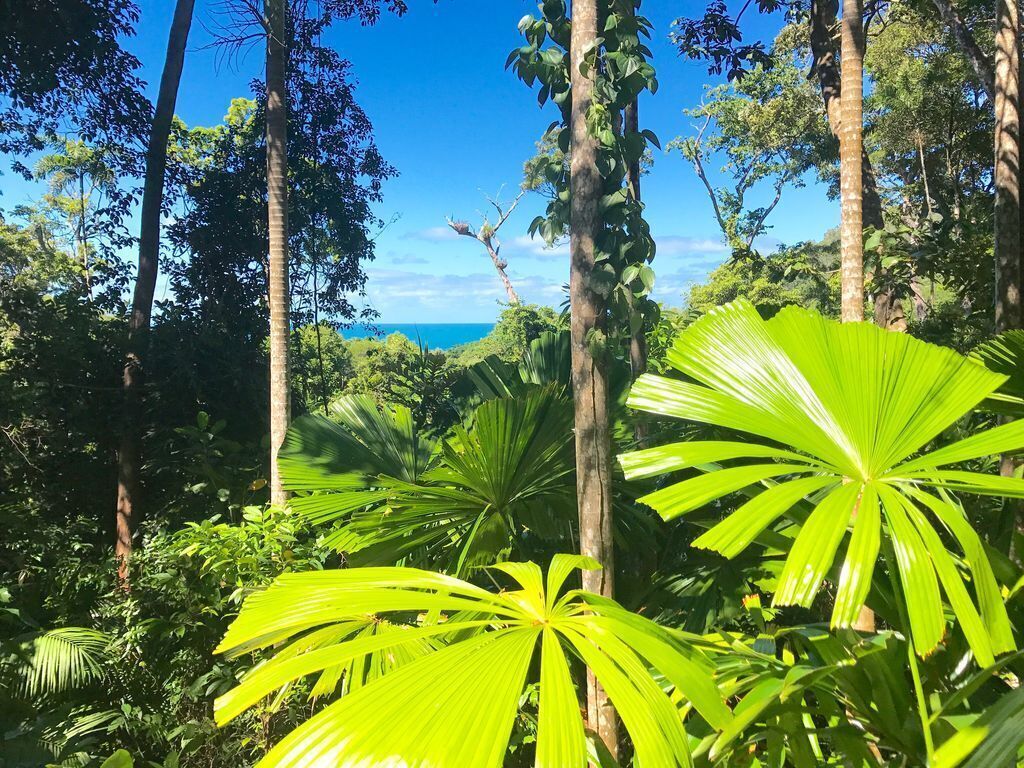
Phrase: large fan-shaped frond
pixel 840 411
pixel 456 705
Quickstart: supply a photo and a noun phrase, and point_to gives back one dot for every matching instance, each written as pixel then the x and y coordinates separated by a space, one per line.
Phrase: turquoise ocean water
pixel 433 335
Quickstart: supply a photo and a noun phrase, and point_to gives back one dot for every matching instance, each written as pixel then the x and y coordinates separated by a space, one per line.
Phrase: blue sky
pixel 458 128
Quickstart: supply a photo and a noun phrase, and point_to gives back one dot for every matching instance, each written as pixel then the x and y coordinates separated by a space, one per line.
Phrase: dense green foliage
pixel 414 602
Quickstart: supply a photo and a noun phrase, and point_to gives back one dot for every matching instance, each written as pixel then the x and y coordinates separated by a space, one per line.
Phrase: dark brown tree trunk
pixel 589 375
pixel 1006 177
pixel 277 227
pixel 145 285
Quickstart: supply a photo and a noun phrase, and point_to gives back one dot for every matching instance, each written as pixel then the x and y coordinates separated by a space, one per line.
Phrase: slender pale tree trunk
pixel 851 184
pixel 589 376
pixel 851 146
pixel 145 284
pixel 888 312
pixel 277 225
pixel 499 267
pixel 1006 174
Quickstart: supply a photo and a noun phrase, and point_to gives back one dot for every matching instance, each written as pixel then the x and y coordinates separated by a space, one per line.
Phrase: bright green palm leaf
pixel 855 577
pixel 844 408
pixel 55 660
pixel 815 547
pixel 990 600
pixel 560 736
pixel 511 469
pixel 736 532
pixel 675 456
pixel 694 493
pixel 343 459
pixel 456 705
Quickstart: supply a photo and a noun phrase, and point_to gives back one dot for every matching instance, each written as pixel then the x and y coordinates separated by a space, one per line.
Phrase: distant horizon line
pixel 411 322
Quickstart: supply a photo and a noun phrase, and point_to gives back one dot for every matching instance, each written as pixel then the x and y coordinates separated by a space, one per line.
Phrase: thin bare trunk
pixel 145 284
pixel 277 227
pixel 968 45
pixel 851 185
pixel 83 238
pixel 851 147
pixel 488 237
pixel 924 174
pixel 499 267
pixel 589 376
pixel 1006 174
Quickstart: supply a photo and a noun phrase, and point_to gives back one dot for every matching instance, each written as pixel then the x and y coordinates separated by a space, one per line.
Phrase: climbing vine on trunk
pixel 623 276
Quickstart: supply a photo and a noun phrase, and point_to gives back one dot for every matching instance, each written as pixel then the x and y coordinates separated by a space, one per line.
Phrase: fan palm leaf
pixel 336 464
pixel 456 706
pixel 510 470
pixel 839 414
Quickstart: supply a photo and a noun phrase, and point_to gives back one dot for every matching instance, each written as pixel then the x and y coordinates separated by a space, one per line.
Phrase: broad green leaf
pixel 861 556
pixel 737 531
pixel 669 458
pixel 815 547
pixel 688 495
pixel 854 403
pixel 917 574
pixel 453 700
pixel 560 737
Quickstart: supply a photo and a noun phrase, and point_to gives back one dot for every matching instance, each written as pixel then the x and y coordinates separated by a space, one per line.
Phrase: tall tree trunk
pixel 888 312
pixel 145 284
pixel 277 225
pixel 1006 174
pixel 851 148
pixel 589 376
pixel 1007 178
pixel 851 184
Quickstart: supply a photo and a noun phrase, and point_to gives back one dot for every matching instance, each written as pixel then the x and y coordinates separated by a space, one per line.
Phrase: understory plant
pixel 820 446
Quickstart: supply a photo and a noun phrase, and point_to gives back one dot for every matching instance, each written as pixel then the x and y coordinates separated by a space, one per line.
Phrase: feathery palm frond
pixel 60 659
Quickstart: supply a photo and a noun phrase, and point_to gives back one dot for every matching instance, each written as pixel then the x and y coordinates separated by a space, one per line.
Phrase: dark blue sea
pixel 433 335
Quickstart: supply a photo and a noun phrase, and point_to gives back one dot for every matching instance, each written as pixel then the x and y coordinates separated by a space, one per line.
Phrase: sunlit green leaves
pixel 841 412
pixel 56 660
pixel 456 705
pixel 463 504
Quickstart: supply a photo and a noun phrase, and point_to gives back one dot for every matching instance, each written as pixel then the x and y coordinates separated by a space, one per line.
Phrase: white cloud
pixel 535 247
pixel 405 296
pixel 406 258
pixel 683 245
pixel 431 234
